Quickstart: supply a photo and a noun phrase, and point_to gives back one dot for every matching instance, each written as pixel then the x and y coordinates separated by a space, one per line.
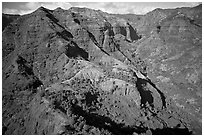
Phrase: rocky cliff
pixel 84 71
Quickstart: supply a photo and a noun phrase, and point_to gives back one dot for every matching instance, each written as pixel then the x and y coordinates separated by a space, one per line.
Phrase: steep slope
pixel 173 53
pixel 146 23
pixel 7 19
pixel 82 71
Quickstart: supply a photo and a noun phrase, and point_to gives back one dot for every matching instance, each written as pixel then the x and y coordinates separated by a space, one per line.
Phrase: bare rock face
pixel 83 71
pixel 108 43
pixel 127 28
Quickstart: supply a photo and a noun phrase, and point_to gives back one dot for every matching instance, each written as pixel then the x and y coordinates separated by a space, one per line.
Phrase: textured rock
pixel 83 71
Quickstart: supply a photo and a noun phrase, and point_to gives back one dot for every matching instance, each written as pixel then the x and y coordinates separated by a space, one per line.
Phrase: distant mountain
pixel 84 71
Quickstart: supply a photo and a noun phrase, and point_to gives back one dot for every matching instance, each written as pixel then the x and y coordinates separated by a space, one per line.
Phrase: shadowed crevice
pixel 133 34
pixel 27 71
pixel 171 131
pixel 163 98
pixel 146 94
pixel 73 50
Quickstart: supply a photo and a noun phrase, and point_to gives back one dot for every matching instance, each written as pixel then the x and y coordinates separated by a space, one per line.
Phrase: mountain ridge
pixel 74 68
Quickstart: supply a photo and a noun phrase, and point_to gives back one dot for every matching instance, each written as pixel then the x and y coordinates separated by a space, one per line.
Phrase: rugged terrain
pixel 84 71
pixel 7 19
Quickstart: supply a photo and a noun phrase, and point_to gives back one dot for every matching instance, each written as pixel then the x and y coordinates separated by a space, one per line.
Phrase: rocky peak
pixel 84 71
pixel 41 8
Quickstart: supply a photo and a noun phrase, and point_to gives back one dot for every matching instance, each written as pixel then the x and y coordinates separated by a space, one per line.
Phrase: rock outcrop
pixel 84 71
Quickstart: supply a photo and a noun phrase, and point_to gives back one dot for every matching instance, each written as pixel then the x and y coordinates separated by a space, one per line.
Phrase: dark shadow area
pixel 111 32
pixel 123 31
pixel 7 19
pixel 50 16
pixel 158 28
pixel 77 18
pixel 171 131
pixel 73 50
pixel 4 129
pixel 68 127
pixel 34 84
pixel 73 15
pixel 90 98
pixel 146 95
pixel 27 72
pixel 57 105
pixel 133 34
pixel 20 60
pixel 163 98
pixel 23 67
pixel 77 21
pixel 128 40
pixel 65 35
pixel 103 122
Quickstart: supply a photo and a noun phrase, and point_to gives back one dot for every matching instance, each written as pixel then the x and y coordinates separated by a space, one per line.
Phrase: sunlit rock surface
pixel 84 71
